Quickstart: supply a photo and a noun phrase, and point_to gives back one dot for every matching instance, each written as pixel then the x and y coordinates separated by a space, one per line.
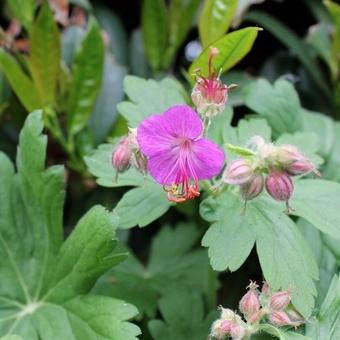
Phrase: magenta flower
pixel 178 155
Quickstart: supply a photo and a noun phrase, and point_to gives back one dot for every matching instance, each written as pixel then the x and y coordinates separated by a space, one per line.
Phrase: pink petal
pixel 207 159
pixel 159 133
pixel 164 167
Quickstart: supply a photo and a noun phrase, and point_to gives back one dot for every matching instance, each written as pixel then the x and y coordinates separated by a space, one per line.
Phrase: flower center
pixel 186 185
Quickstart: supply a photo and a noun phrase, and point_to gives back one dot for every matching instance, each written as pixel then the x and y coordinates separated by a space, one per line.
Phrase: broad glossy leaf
pixel 105 113
pixel 181 17
pixel 215 19
pixel 167 267
pixel 183 313
pixel 45 278
pixel 23 11
pixel 149 97
pixel 327 323
pixel 318 201
pixel 142 205
pixel 278 103
pixel 21 84
pixel 232 48
pixel 44 57
pixel 99 164
pixel 154 26
pixel 282 250
pixel 87 77
pixel 299 47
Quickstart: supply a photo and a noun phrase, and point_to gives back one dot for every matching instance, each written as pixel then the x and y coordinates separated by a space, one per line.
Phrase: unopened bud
pixel 280 318
pixel 279 185
pixel 287 154
pixel 295 316
pixel 250 303
pixel 139 161
pixel 279 301
pixel 121 155
pixel 301 167
pixel 253 187
pixel 230 325
pixel 220 328
pixel 266 291
pixel 238 172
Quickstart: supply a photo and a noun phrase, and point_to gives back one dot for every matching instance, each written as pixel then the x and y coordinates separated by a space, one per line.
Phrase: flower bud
pixel 301 167
pixel 139 161
pixel 220 328
pixel 238 172
pixel 266 291
pixel 253 187
pixel 287 154
pixel 279 185
pixel 229 325
pixel 295 316
pixel 280 318
pixel 121 155
pixel 279 301
pixel 250 303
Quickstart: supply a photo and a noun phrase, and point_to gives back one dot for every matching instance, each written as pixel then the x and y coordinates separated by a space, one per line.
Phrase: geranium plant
pixel 211 210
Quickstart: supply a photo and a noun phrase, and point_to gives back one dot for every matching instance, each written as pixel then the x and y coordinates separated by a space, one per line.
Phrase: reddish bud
pixel 266 291
pixel 238 172
pixel 121 155
pixel 280 318
pixel 253 187
pixel 250 303
pixel 301 167
pixel 295 316
pixel 279 185
pixel 279 301
pixel 287 154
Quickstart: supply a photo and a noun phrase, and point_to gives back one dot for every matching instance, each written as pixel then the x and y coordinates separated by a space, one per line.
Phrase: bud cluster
pixel 257 308
pixel 127 153
pixel 268 166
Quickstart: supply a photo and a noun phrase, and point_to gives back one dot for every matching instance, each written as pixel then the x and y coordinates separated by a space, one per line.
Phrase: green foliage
pixel 23 11
pixel 44 58
pixel 292 41
pixel 45 278
pixel 154 31
pixel 317 201
pixel 141 206
pixel 232 48
pixel 279 104
pixel 327 323
pixel 184 318
pixel 87 76
pixel 149 97
pixel 282 250
pixel 215 19
pixel 166 269
pixel 21 84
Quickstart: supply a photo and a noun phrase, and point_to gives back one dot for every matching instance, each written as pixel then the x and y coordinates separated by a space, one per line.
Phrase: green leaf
pixel 215 19
pixel 149 97
pixel 141 206
pixel 229 238
pixel 23 11
pixel 99 164
pixel 167 267
pixel 21 84
pixel 327 323
pixel 183 313
pixel 232 48
pixel 45 279
pixel 282 250
pixel 300 48
pixel 318 201
pixel 87 78
pixel 326 261
pixel 44 58
pixel 281 334
pixel 154 27
pixel 314 121
pixel 278 103
pixel 181 15
pixel 11 337
pixel 104 113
